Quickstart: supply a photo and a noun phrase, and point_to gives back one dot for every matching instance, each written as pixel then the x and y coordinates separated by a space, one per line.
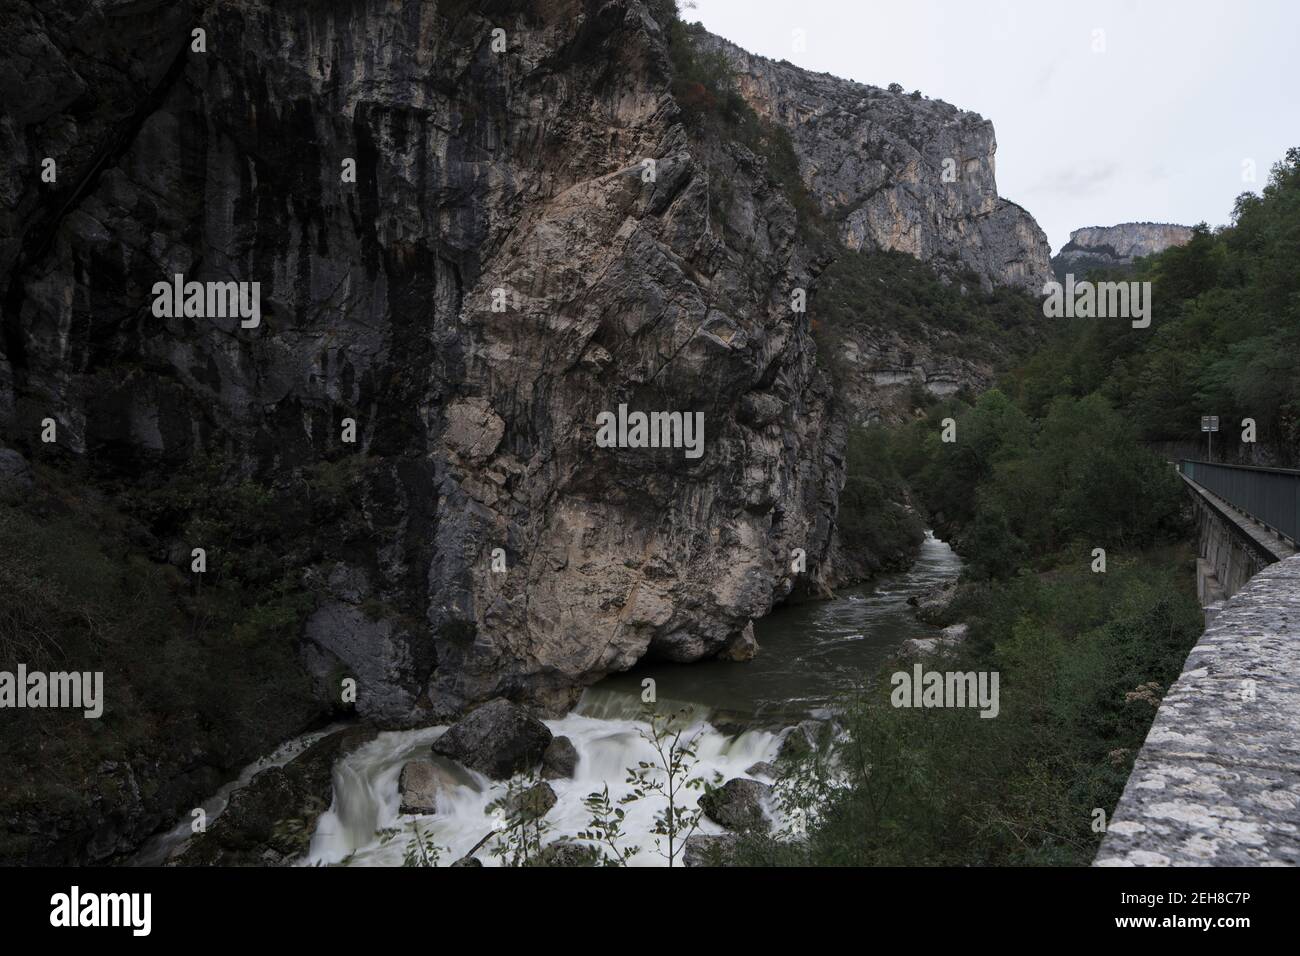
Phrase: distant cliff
pixel 1112 247
pixel 899 172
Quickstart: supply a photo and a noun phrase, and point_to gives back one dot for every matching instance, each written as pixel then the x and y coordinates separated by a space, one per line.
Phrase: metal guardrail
pixel 1269 495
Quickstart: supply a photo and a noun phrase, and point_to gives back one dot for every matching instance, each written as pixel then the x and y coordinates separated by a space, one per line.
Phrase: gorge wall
pixel 500 270
pixel 898 171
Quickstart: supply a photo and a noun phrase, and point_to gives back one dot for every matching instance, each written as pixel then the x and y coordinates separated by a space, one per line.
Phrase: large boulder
pixel 419 785
pixel 560 759
pixel 498 739
pixel 738 805
pixel 271 820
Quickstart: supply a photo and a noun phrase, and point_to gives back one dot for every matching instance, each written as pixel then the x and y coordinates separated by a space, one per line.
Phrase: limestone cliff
pixel 1112 247
pixel 899 172
pixel 503 267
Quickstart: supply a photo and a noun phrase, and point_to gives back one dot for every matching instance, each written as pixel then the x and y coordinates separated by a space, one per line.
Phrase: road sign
pixel 1209 423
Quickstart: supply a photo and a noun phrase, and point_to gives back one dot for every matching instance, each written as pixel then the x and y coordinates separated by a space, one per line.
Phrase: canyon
pixel 483 177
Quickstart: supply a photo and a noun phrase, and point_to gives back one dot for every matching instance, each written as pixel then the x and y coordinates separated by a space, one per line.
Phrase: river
pixel 808 653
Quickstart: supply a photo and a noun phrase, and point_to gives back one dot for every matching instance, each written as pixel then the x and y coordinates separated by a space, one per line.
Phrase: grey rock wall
pixel 875 161
pixel 484 179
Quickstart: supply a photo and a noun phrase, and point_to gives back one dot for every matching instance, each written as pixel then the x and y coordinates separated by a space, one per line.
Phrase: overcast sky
pixel 1155 127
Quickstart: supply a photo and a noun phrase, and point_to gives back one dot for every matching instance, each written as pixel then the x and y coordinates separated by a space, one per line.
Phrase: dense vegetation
pixel 1224 338
pixel 896 291
pixel 201 671
pixel 878 528
pixel 1082 658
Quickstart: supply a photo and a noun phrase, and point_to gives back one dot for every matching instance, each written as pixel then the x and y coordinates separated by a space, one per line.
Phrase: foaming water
pixel 606 734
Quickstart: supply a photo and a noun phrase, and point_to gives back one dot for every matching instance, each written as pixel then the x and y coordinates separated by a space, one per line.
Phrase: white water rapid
pixel 605 730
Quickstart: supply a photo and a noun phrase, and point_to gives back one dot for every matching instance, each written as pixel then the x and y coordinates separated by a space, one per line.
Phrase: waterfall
pixel 606 732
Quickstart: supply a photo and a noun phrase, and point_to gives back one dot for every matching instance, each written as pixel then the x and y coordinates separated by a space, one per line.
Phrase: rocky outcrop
pixel 500 272
pixel 498 739
pixel 463 254
pixel 898 171
pixel 1114 247
pixel 883 370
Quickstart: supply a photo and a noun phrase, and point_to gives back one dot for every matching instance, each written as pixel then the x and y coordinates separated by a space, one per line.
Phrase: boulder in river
pixel 560 759
pixel 944 642
pixel 498 739
pixel 567 853
pixel 532 803
pixel 702 849
pixel 932 605
pixel 419 785
pixel 742 647
pixel 805 737
pixel 761 769
pixel 738 805
pixel 271 820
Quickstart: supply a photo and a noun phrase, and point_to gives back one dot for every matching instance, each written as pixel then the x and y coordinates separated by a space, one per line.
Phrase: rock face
pixel 499 271
pixel 1110 247
pixel 875 160
pixel 498 739
pixel 498 275
pixel 882 368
